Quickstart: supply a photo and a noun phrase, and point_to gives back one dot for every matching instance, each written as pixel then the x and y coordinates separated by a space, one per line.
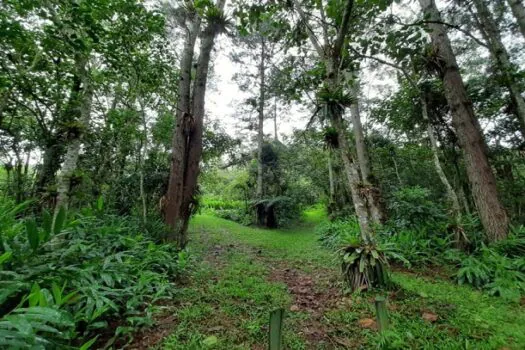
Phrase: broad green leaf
pixel 5 257
pixel 88 344
pixel 47 222
pixel 32 233
pixel 60 220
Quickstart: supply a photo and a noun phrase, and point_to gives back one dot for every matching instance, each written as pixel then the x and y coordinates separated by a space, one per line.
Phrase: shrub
pixel 336 233
pixel 499 275
pixel 411 208
pixel 64 286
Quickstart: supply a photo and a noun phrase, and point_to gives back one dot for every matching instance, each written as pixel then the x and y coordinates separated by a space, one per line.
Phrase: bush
pixel 411 208
pixel 337 233
pixel 499 275
pixel 60 288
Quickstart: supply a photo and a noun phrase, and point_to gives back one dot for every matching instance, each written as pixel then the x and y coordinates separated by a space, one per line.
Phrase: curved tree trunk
pixel 490 31
pixel 492 213
pixel 519 13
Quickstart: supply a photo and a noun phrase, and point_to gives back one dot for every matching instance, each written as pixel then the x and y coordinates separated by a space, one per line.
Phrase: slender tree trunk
pixel 260 126
pixel 451 194
pixel 518 9
pixel 373 194
pixel 490 31
pixel 331 176
pixel 492 213
pixel 80 114
pixel 142 155
pixel 276 136
pixel 187 143
pixel 354 182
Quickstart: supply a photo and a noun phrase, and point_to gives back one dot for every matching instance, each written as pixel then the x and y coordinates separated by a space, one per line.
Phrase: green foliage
pixel 498 274
pixel 336 233
pixel 67 287
pixel 412 208
pixel 365 266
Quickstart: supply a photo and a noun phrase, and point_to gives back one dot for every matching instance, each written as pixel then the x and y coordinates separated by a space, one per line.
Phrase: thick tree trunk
pixel 80 115
pixel 173 215
pixel 260 125
pixel 187 138
pixel 372 192
pixel 518 9
pixel 490 31
pixel 492 213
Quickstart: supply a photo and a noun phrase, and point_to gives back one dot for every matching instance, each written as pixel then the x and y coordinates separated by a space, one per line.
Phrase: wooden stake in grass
pixel 381 313
pixel 276 327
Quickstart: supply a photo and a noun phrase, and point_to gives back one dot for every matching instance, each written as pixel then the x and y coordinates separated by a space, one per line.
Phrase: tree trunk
pixel 187 138
pixel 173 215
pixel 372 192
pixel 260 126
pixel 519 13
pixel 451 194
pixel 490 31
pixel 142 155
pixel 331 177
pixel 276 136
pixel 354 182
pixel 492 213
pixel 80 115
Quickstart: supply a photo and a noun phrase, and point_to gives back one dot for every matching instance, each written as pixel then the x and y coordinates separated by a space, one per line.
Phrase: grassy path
pixel 240 274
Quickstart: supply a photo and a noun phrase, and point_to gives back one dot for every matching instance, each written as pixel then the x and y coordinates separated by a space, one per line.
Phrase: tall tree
pixel 332 96
pixel 490 31
pixel 187 135
pixel 518 9
pixel 492 213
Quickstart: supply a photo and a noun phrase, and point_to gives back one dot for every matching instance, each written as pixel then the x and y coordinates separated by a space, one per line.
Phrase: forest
pixel 251 174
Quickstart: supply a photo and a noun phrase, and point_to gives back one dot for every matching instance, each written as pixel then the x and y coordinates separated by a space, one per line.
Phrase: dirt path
pixel 238 275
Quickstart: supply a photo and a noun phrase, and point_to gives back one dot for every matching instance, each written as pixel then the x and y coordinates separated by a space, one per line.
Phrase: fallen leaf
pixel 210 341
pixel 367 323
pixel 429 316
pixel 294 308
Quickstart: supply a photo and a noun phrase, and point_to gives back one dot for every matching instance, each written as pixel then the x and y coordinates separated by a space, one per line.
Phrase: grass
pixel 227 303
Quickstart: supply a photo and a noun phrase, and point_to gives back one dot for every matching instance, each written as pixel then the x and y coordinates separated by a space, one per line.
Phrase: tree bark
pixel 331 57
pixel 519 13
pixel 260 126
pixel 490 31
pixel 492 213
pixel 276 136
pixel 451 194
pixel 187 138
pixel 372 192
pixel 354 182
pixel 331 176
pixel 80 115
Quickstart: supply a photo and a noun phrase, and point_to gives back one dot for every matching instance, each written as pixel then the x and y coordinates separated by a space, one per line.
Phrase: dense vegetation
pixel 131 216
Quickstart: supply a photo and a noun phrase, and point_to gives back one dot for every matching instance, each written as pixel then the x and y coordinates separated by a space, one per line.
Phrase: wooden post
pixel 275 330
pixel 381 313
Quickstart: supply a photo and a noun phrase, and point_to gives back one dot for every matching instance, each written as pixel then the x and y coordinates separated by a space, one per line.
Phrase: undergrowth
pixel 95 273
